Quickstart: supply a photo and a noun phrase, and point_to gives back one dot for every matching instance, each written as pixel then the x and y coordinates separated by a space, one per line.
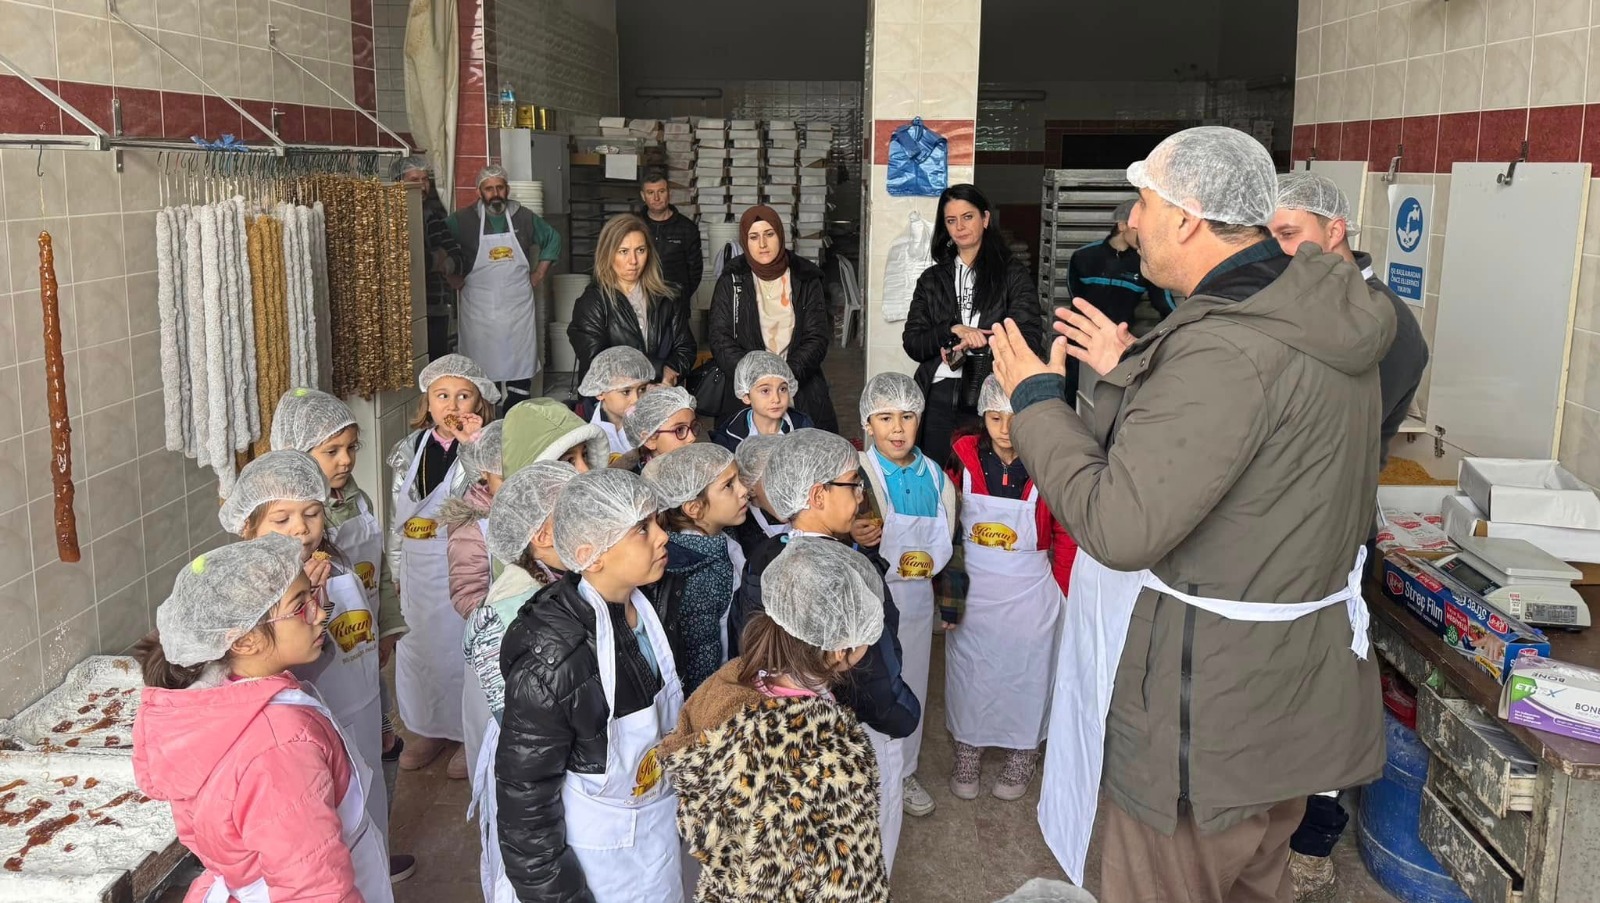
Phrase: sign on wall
pixel 1411 210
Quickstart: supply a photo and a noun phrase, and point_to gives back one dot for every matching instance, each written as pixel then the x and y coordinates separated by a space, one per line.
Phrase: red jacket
pixel 1052 535
pixel 254 787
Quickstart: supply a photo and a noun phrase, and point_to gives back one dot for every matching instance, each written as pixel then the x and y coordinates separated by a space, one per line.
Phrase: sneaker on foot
pixel 401 867
pixel 968 770
pixel 1314 877
pixel 421 752
pixel 456 768
pixel 917 802
pixel 1016 775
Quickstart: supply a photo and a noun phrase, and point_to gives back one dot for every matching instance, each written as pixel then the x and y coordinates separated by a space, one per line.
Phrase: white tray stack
pixel 711 189
pixel 812 189
pixel 783 146
pixel 678 137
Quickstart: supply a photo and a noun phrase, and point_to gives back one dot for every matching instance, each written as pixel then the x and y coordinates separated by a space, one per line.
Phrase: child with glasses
pixel 662 421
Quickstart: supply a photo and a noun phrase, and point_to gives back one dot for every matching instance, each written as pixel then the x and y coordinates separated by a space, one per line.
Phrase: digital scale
pixel 1520 579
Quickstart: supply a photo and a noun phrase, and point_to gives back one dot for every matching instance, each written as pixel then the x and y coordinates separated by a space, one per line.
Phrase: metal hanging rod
pixel 272 43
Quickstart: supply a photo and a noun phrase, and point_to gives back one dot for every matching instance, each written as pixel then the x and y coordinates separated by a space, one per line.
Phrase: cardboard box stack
pixel 678 138
pixel 783 144
pixel 711 191
pixel 812 185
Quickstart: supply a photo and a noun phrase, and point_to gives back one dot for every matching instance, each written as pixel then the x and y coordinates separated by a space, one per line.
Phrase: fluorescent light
pixel 702 93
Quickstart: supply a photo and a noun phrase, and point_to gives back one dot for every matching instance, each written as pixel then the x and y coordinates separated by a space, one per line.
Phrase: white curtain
pixel 431 53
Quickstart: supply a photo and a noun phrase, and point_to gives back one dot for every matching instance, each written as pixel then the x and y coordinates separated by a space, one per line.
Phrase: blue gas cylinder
pixel 1387 829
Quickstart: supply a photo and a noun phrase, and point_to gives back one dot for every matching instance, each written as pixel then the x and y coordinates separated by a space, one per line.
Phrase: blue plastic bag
pixel 919 162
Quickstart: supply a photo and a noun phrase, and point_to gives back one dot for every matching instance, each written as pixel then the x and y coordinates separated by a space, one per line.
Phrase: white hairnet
pixel 462 367
pixel 653 409
pixel 1124 211
pixel 482 454
pixel 753 455
pixel 890 391
pixel 277 476
pixel 522 506
pixel 413 163
pixel 1213 172
pixel 596 510
pixel 1047 890
pixel 306 418
pixel 1313 192
pixel 824 593
pixel 993 397
pixel 617 367
pixel 492 171
pixel 684 473
pixel 222 595
pixel 759 365
pixel 804 459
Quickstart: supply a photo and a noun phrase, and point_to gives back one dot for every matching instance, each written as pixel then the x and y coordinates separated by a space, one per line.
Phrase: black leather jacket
pixel 555 722
pixel 600 322
pixel 735 330
pixel 934 311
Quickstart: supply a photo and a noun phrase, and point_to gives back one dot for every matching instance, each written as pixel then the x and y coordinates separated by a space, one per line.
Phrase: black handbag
pixel 708 383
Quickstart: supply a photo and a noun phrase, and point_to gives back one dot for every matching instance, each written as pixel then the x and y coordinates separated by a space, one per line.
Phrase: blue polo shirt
pixel 913 489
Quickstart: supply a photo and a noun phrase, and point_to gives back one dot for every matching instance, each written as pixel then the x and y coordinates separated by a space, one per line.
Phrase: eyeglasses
pixel 682 432
pixel 305 611
pixel 858 487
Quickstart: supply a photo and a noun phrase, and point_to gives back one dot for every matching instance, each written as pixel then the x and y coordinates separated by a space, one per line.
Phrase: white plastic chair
pixel 852 302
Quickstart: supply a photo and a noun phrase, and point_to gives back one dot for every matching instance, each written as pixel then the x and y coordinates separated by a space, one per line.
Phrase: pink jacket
pixel 254 787
pixel 465 549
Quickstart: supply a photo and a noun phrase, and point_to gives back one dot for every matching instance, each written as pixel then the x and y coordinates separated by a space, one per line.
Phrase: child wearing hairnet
pixel 262 786
pixel 702 495
pixel 745 804
pixel 663 420
pixel 915 508
pixel 752 457
pixel 766 385
pixel 457 400
pixel 616 379
pixel 591 687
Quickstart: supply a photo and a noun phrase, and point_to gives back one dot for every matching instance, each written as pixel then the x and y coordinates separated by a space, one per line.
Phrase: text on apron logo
pixel 351 628
pixel 995 536
pixel 916 566
pixel 421 528
pixel 648 775
pixel 367 573
pixel 500 253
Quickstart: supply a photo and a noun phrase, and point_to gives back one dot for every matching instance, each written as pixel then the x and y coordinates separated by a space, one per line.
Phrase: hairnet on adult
pixel 759 365
pixel 804 459
pixel 1312 192
pixel 683 473
pixel 1214 173
pixel 277 476
pixel 992 397
pixel 1124 211
pixel 461 367
pixel 522 506
pixel 306 418
pixel 482 454
pixel 653 409
pixel 596 510
pixel 617 367
pixel 753 455
pixel 222 595
pixel 824 593
pixel 413 163
pixel 891 391
pixel 492 171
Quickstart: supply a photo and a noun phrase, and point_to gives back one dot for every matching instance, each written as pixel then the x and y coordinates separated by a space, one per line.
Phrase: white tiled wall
pixel 389 39
pixel 558 53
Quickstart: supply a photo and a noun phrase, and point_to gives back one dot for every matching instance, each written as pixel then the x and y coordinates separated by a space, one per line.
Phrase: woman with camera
pixel 973 284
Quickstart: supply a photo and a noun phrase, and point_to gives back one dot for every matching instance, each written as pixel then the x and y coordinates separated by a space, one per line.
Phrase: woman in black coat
pixel 974 284
pixel 770 299
pixel 628 303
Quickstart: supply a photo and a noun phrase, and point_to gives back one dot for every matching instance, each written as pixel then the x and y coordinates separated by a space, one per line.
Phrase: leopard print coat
pixel 780 805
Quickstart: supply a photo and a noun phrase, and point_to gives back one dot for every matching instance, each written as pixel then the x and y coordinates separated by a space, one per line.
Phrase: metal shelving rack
pixel 1076 209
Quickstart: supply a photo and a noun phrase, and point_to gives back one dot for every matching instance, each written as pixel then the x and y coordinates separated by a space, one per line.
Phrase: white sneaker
pixel 916 801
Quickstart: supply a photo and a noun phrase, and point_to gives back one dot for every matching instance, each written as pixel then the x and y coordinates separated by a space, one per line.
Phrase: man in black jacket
pixel 675 236
pixel 444 261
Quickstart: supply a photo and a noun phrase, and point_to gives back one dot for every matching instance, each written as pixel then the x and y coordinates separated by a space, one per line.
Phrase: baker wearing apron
pixel 496 321
pixel 427 673
pixel 916 548
pixel 1000 661
pixel 369 854
pixel 1095 623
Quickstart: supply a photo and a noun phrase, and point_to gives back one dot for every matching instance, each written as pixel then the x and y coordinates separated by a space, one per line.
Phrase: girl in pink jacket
pixel 262 785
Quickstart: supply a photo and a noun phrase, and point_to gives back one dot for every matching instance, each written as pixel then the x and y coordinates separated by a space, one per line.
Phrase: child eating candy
pixel 766 385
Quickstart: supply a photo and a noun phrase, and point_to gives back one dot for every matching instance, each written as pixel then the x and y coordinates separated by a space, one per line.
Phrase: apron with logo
pixel 427 670
pixel 622 824
pixel 346 677
pixel 916 549
pixel 496 318
pixel 999 663
pixel 361 540
pixel 369 852
pixel 619 441
pixel 1094 625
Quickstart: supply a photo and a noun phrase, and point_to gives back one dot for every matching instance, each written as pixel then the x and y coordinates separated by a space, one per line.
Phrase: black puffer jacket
pixel 677 244
pixel 555 722
pixel 735 331
pixel 600 322
pixel 934 310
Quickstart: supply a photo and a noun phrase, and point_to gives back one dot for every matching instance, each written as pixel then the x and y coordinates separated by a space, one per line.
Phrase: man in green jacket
pixel 1220 499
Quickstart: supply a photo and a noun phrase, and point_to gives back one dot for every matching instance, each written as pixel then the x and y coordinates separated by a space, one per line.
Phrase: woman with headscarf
pixel 628 303
pixel 768 299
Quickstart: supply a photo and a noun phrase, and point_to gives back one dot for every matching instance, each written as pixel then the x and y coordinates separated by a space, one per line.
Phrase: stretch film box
pixel 1468 624
pixel 1553 696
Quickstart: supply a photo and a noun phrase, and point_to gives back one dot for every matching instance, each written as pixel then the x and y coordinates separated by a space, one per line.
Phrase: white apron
pixel 622 824
pixel 891 793
pixel 475 719
pixel 916 549
pixel 496 317
pixel 1000 662
pixel 369 852
pixel 427 669
pixel 619 440
pixel 1094 629
pixel 491 867
pixel 346 677
pixel 361 540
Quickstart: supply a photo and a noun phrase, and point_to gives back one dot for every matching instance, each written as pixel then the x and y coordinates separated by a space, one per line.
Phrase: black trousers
pixel 940 420
pixel 1321 828
pixel 513 391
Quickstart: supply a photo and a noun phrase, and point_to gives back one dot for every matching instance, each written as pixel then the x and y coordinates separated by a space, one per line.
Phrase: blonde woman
pixel 628 303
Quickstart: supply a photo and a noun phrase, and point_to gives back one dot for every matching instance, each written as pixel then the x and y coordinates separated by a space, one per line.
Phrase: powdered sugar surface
pixel 90 712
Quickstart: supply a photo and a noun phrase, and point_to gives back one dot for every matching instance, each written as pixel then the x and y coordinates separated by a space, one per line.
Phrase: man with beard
pixel 498 237
pixel 443 261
